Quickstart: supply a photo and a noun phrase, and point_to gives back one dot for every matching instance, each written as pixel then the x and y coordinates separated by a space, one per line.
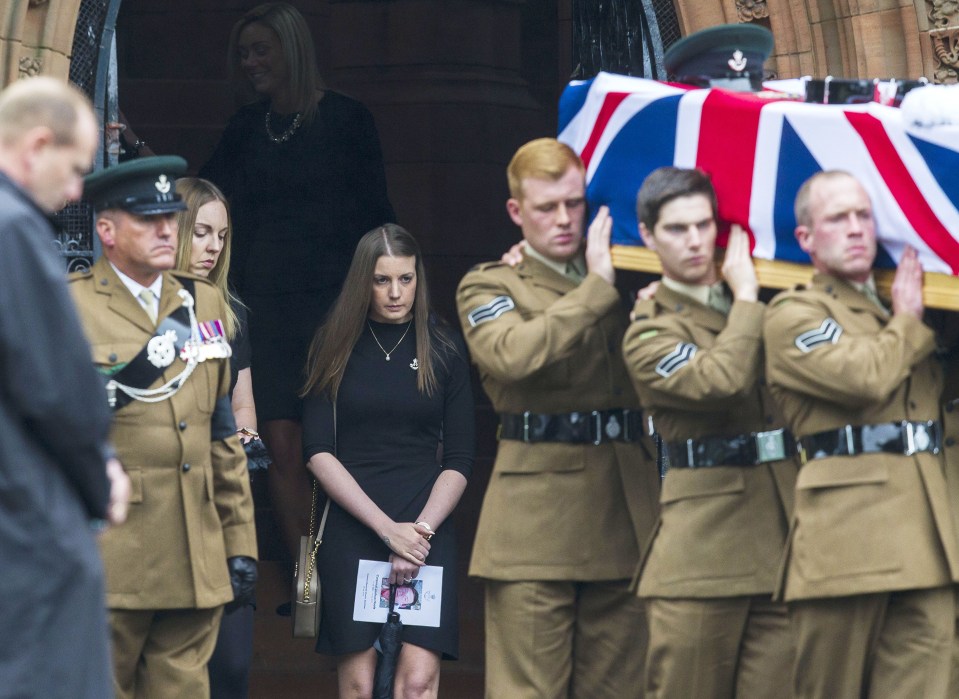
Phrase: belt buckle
pixel 918 437
pixel 690 454
pixel 770 446
pixel 626 412
pixel 526 426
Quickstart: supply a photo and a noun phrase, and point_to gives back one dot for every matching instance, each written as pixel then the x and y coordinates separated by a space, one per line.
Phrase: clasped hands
pixel 410 545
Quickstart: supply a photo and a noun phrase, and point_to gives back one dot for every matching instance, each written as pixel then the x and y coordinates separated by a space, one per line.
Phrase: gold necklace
pixel 285 136
pixel 376 339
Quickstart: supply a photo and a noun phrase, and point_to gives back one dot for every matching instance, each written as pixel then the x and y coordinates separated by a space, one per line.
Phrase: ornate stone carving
pixel 945 45
pixel 942 13
pixel 30 66
pixel 750 10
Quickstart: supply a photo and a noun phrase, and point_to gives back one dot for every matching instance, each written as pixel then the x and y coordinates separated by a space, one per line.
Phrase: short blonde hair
pixel 42 101
pixel 297 43
pixel 801 205
pixel 544 159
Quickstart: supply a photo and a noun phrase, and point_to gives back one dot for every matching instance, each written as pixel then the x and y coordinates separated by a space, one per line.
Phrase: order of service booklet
pixel 418 602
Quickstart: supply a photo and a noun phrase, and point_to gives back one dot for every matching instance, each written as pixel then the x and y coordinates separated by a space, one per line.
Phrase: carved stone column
pixel 36 37
pixel 941 45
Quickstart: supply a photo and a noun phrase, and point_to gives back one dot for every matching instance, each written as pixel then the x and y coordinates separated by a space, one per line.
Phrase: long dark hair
pixel 335 339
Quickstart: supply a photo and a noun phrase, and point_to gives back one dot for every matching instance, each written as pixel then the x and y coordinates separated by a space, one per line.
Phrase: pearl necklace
pixel 285 136
pixel 376 339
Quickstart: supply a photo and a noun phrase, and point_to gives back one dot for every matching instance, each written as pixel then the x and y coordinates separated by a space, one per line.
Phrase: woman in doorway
pixel 303 170
pixel 388 382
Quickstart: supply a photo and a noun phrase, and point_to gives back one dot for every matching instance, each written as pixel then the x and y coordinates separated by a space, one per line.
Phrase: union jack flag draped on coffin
pixel 758 152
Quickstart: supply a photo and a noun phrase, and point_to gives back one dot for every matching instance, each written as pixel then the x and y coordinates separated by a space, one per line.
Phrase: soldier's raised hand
pixel 907 285
pixel 599 260
pixel 738 269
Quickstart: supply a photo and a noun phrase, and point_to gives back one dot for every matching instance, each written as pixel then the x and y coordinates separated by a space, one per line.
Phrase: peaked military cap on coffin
pixel 142 186
pixel 729 55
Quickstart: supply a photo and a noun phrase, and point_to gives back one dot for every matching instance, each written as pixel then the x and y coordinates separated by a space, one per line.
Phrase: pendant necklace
pixel 285 136
pixel 376 339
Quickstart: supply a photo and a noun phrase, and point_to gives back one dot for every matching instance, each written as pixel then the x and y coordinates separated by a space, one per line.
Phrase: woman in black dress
pixel 304 175
pixel 388 382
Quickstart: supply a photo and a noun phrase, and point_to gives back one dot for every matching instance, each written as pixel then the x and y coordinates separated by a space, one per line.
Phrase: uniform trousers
pixel 719 647
pixel 888 645
pixel 163 654
pixel 563 640
pixel 954 674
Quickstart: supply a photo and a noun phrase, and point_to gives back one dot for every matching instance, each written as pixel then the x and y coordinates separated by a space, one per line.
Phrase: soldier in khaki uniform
pixel 950 451
pixel 872 553
pixel 189 545
pixel 695 357
pixel 573 491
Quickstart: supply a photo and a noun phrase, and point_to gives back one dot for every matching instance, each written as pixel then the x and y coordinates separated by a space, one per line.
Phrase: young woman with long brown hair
pixel 388 382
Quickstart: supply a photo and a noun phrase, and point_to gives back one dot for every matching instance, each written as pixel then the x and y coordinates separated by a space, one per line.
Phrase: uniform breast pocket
pixel 110 359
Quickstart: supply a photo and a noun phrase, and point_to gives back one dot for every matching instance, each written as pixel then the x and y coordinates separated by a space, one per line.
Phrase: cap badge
pixel 737 62
pixel 162 184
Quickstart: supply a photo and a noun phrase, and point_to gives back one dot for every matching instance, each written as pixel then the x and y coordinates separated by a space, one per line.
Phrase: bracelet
pixel 247 432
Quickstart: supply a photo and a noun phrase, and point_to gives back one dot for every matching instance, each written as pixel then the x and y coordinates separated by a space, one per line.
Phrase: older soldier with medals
pixel 189 545
pixel 573 493
pixel 872 554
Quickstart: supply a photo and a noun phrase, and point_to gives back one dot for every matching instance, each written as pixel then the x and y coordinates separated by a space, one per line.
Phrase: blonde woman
pixel 204 250
pixel 302 168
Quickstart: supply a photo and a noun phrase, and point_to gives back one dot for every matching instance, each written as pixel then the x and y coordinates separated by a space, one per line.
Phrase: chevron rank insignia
pixel 676 359
pixel 491 311
pixel 828 332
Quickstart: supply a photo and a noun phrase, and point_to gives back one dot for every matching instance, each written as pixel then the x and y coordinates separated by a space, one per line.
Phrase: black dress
pixel 298 209
pixel 387 435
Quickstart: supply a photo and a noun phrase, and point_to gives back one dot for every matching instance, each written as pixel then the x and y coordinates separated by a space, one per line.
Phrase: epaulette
pixel 643 310
pixel 483 266
pixel 182 274
pixel 80 274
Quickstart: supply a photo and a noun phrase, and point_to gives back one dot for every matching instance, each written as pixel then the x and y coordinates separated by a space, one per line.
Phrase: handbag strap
pixel 326 508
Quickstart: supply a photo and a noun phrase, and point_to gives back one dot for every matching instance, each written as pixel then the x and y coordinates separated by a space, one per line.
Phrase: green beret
pixel 142 186
pixel 728 55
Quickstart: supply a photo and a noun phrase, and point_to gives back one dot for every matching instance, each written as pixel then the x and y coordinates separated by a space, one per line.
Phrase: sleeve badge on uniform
pixel 828 332
pixel 676 359
pixel 491 311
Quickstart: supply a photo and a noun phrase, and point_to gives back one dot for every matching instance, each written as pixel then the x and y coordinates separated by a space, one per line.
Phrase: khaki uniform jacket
pixel 556 511
pixel 699 374
pixel 191 506
pixel 871 522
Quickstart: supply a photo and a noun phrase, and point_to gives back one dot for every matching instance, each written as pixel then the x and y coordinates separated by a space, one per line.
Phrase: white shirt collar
pixel 136 287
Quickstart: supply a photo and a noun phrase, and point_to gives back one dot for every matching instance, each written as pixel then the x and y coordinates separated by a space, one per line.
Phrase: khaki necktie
pixel 718 299
pixel 148 298
pixel 871 294
pixel 574 273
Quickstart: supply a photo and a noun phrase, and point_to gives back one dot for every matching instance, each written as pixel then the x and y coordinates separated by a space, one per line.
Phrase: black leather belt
pixel 592 427
pixel 741 450
pixel 904 437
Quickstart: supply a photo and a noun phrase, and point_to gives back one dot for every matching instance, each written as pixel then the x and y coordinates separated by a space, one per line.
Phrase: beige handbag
pixel 306 581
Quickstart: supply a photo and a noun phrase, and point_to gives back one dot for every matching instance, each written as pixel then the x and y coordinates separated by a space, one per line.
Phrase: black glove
pixel 243 579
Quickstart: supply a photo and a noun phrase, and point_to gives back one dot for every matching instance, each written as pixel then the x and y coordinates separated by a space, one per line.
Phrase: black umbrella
pixel 388 649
